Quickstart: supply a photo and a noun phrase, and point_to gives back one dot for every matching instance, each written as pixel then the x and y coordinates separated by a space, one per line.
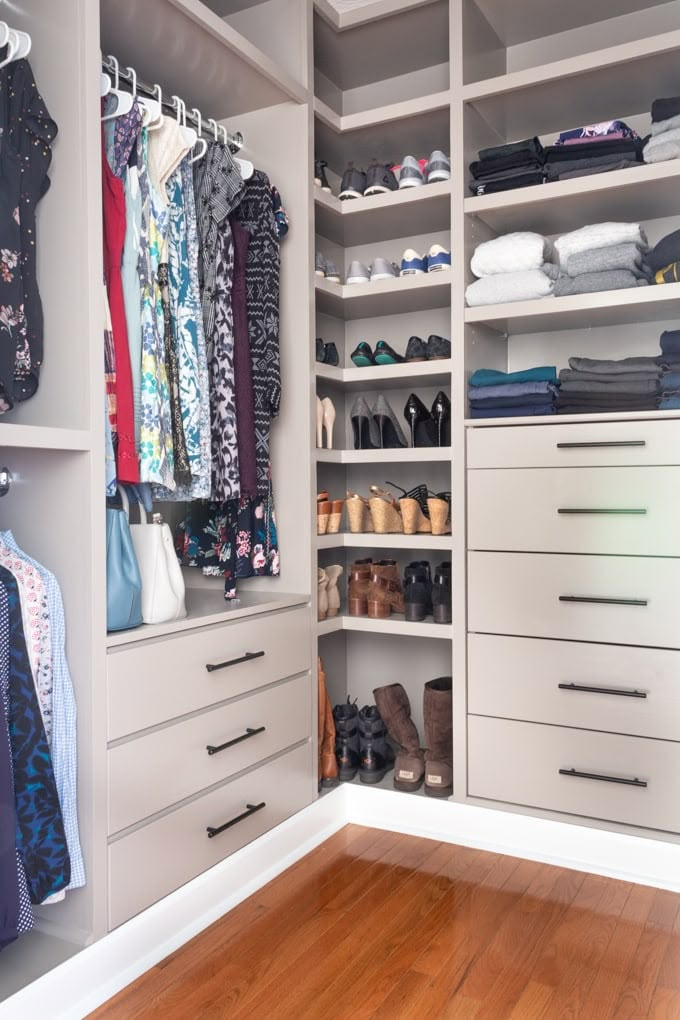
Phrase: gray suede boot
pixel 438 717
pixel 395 709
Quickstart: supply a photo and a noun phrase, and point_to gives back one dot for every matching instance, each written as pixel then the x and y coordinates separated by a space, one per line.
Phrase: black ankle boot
pixel 346 719
pixel 441 594
pixel 377 756
pixel 417 591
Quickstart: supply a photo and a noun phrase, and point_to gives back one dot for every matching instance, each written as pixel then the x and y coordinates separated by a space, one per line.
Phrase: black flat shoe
pixel 438 348
pixel 416 349
pixel 330 354
pixel 384 355
pixel 362 355
pixel 441 416
pixel 423 428
pixel 320 350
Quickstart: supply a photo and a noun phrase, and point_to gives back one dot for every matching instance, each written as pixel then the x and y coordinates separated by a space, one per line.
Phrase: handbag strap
pixel 143 516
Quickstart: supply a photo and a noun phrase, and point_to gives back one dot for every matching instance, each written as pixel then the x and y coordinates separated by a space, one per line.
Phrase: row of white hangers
pixel 18 43
pixel 153 116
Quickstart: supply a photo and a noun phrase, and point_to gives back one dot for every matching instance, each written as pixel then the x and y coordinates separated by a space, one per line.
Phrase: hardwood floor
pixel 378 925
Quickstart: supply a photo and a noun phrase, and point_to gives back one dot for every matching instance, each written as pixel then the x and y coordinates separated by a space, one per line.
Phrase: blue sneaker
pixel 412 263
pixel 438 258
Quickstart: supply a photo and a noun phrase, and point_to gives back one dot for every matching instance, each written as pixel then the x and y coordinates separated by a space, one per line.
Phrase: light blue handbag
pixel 123 580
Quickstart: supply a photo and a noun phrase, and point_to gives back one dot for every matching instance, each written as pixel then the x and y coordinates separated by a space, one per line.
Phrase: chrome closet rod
pixel 235 142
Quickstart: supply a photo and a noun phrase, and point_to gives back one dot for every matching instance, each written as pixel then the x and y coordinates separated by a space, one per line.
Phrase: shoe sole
pixel 362 362
pixel 383 276
pixel 438 791
pixel 350 194
pixel 319 272
pixel 410 183
pixel 372 777
pixel 438 175
pixel 407 787
pixel 317 182
pixel 384 359
pixel 377 189
pixel 346 775
pixel 357 279
pixel 332 279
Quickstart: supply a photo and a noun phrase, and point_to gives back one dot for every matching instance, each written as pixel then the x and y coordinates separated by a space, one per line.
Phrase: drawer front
pixel 163 679
pixel 624 510
pixel 596 687
pixel 519 763
pixel 161 856
pixel 176 763
pixel 532 595
pixel 592 444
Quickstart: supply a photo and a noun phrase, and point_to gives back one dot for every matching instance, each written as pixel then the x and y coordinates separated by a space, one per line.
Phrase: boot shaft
pixel 374 750
pixel 438 717
pixel 385 594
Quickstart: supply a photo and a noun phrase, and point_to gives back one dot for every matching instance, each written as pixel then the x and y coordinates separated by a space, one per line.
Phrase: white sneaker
pixel 358 273
pixel 413 264
pixel 439 167
pixel 411 174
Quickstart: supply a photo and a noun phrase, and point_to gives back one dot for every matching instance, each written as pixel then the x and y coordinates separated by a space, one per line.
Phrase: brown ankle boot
pixel 395 710
pixel 327 765
pixel 385 593
pixel 359 582
pixel 438 718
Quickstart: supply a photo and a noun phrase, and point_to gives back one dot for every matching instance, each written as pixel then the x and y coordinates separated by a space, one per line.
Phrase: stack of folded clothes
pixel 670 363
pixel 503 167
pixel 665 141
pixel 593 149
pixel 664 259
pixel 512 267
pixel 512 394
pixel 602 256
pixel 593 386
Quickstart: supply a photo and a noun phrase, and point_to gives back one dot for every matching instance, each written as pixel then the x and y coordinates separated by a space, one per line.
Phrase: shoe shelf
pixel 385 377
pixel 422 210
pixel 387 784
pixel 566 419
pixel 582 89
pixel 650 192
pixel 384 297
pixel 369 540
pixel 581 311
pixel 409 455
pixel 395 625
pixel 38 437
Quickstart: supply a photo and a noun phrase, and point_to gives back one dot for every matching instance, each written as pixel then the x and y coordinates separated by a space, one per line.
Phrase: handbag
pixel 123 580
pixel 163 590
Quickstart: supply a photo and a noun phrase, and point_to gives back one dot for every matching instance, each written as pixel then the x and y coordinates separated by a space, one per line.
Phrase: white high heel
pixel 328 420
pixel 319 424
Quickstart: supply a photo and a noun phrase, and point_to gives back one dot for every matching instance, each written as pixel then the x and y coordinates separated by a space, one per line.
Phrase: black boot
pixel 377 756
pixel 417 591
pixel 346 719
pixel 441 594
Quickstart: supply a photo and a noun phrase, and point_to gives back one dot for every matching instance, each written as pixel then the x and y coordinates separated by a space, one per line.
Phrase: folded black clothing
pixel 531 146
pixel 586 150
pixel 557 173
pixel 518 401
pixel 665 252
pixel 516 161
pixel 664 109
pixel 615 402
pixel 507 182
pixel 649 405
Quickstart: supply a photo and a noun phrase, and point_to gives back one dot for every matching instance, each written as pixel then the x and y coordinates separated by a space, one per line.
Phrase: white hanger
pixel 151 110
pixel 125 100
pixel 188 133
pixel 104 85
pixel 246 168
pixel 196 114
pixel 23 43
pixel 11 42
pixel 214 126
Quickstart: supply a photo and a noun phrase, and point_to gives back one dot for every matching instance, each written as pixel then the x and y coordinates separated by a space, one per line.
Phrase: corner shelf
pixel 386 377
pixel 369 540
pixel 40 437
pixel 393 625
pixel 384 297
pixel 402 213
pixel 409 455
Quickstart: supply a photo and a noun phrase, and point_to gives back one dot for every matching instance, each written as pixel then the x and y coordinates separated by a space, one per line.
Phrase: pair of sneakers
pixel 377 180
pixel 325 268
pixel 437 259
pixel 381 269
pixel 413 173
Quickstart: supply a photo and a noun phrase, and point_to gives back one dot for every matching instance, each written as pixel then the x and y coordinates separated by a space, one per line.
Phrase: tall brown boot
pixel 359 582
pixel 327 764
pixel 438 717
pixel 385 593
pixel 395 709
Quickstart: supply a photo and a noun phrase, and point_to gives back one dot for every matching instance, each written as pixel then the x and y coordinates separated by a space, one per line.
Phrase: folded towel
pixel 670 124
pixel 662 147
pixel 528 411
pixel 510 253
pixel 627 386
pixel 557 174
pixel 569 375
pixel 617 256
pixel 591 283
pixel 494 377
pixel 502 287
pixel 664 109
pixel 516 389
pixel 607 366
pixel 509 180
pixel 605 129
pixel 598 235
pixel 665 252
pixel 670 274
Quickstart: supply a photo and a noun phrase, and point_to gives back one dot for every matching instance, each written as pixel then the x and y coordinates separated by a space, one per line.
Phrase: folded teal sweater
pixel 491 377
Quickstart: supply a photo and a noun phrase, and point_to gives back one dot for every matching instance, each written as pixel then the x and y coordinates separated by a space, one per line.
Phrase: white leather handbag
pixel 162 580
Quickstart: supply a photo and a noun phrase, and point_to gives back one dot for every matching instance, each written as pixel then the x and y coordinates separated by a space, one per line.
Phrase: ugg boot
pixel 346 719
pixel 328 767
pixel 376 755
pixel 322 604
pixel 438 716
pixel 385 593
pixel 395 709
pixel 332 574
pixel 359 583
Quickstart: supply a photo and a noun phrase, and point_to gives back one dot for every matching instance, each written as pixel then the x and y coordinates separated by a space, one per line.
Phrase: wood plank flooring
pixel 378 925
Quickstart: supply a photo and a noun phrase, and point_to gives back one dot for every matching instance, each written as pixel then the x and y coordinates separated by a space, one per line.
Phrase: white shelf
pixel 581 311
pixel 384 297
pixel 373 11
pixel 641 192
pixel 386 377
pixel 566 419
pixel 345 540
pixel 395 625
pixel 402 213
pixel 38 437
pixel 418 455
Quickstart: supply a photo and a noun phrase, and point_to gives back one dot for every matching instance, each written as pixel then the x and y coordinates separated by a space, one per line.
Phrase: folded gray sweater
pixel 617 256
pixel 589 283
pixel 624 386
pixel 608 366
pixel 569 375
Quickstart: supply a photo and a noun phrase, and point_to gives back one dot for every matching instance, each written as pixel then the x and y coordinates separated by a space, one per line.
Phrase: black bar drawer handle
pixel 211 667
pixel 597 510
pixel 590 446
pixel 603 602
pixel 603 779
pixel 252 808
pixel 250 732
pixel 619 691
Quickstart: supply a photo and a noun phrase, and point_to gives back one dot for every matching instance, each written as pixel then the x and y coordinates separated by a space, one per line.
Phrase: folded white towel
pixel 511 253
pixel 662 147
pixel 502 287
pixel 659 126
pixel 598 235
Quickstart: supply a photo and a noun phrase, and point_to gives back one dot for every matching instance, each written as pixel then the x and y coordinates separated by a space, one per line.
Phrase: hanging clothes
pixel 243 372
pixel 132 285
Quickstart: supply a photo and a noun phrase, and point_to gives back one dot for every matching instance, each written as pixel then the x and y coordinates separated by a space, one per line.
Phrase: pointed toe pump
pixel 364 428
pixel 389 429
pixel 328 412
pixel 420 422
pixel 441 416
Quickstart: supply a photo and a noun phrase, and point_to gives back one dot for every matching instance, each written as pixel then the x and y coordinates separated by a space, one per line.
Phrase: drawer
pixel 158 680
pixel 519 763
pixel 176 763
pixel 159 857
pixel 530 594
pixel 520 678
pixel 627 510
pixel 592 444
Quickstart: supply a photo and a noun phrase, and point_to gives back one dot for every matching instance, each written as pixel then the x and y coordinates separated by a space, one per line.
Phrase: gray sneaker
pixel 380 180
pixel 353 183
pixel 357 273
pixel 410 175
pixel 439 167
pixel 319 264
pixel 383 269
pixel 331 272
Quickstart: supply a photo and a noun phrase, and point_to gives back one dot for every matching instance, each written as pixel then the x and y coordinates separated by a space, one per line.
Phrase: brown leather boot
pixel 385 593
pixel 327 764
pixel 438 719
pixel 395 710
pixel 359 582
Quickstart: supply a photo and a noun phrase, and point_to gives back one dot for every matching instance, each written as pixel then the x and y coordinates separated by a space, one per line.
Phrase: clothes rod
pixel 129 75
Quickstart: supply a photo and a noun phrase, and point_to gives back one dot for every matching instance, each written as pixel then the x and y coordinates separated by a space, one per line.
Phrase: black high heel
pixel 441 415
pixel 423 429
pixel 389 429
pixel 364 429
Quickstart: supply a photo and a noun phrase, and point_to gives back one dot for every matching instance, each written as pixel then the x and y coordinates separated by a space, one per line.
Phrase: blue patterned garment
pixel 40 836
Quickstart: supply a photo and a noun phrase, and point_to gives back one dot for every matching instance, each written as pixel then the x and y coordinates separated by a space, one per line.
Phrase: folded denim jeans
pixel 494 377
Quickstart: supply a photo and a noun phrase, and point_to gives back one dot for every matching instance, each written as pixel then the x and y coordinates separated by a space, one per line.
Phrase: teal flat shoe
pixel 362 356
pixel 384 355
